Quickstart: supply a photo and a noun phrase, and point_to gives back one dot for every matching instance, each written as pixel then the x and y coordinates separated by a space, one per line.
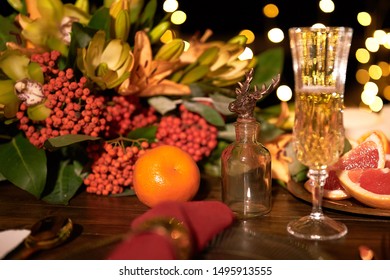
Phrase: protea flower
pixel 107 64
pixel 52 29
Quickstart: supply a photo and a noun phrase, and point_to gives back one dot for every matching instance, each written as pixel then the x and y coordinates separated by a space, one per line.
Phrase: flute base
pixel 317 227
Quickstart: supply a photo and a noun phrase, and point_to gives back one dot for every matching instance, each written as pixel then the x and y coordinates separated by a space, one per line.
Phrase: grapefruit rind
pixel 359 193
pixel 334 194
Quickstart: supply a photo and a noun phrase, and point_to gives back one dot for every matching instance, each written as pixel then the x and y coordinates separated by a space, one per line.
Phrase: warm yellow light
pixel 284 93
pixel 327 6
pixel 377 104
pixel 387 41
pixel 364 18
pixel 385 68
pixel 367 97
pixel 250 36
pixel 386 92
pixel 246 54
pixel 270 10
pixel 362 76
pixel 318 25
pixel 371 87
pixel 380 36
pixel 276 35
pixel 372 44
pixel 362 55
pixel 178 17
pixel 375 72
pixel 186 46
pixel 170 6
pixel 167 36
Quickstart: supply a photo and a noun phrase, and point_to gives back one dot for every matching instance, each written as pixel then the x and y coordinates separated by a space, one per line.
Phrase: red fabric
pixel 204 219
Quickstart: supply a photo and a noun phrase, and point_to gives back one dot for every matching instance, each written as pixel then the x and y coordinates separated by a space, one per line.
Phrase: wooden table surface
pixel 100 223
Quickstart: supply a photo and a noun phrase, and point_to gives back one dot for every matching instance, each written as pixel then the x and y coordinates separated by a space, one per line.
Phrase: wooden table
pixel 101 222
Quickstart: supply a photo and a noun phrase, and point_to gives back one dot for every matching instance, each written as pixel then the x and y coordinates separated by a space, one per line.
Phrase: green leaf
pixel 221 103
pixel 126 192
pixel 101 20
pixel 210 114
pixel 147 132
pixel 80 38
pixel 8 31
pixel 67 184
pixel 229 132
pixel 269 64
pixel 66 140
pixel 147 15
pixel 24 165
pixel 162 104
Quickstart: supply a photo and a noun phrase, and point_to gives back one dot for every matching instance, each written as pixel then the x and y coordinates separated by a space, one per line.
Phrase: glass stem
pixel 318 177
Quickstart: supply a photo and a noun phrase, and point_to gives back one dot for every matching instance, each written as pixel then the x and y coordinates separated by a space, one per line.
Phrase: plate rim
pixel 349 205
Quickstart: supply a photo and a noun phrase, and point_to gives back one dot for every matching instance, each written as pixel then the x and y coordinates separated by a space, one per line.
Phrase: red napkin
pixel 204 219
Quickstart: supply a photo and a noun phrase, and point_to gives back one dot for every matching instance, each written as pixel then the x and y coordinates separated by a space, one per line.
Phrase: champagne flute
pixel 320 56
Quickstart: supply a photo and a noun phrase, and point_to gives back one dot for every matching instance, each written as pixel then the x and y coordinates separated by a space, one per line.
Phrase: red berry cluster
pixel 126 113
pixel 112 169
pixel 189 131
pixel 74 109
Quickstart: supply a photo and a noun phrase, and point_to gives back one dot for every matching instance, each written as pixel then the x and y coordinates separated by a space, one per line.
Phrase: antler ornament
pixel 246 100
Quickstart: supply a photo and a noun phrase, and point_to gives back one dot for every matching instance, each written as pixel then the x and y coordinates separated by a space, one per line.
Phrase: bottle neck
pixel 247 130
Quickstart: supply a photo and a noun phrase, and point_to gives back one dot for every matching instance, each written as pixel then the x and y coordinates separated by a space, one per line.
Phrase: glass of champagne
pixel 320 57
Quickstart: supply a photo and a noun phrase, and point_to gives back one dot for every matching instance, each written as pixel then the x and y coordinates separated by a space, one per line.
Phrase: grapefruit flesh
pixel 369 186
pixel 368 154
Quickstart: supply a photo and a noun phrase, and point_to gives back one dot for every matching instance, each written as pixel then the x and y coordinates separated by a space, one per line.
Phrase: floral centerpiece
pixel 85 90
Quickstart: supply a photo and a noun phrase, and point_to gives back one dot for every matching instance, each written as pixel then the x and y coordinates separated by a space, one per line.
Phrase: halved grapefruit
pixel 368 154
pixel 369 186
pixel 382 136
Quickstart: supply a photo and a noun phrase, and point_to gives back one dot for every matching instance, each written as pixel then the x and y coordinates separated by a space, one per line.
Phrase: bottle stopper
pixel 246 100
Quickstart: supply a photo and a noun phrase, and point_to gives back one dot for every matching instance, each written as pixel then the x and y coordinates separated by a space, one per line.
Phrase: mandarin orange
pixel 165 173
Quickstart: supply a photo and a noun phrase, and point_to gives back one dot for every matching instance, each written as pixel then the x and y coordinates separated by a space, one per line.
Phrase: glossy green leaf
pixel 67 184
pixel 66 140
pixel 147 132
pixel 8 31
pixel 210 114
pixel 126 192
pixel 24 165
pixel 269 64
pixel 221 103
pixel 162 104
pixel 101 20
pixel 148 13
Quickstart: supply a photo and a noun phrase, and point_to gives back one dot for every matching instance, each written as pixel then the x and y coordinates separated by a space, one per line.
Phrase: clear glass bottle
pixel 246 172
pixel 246 163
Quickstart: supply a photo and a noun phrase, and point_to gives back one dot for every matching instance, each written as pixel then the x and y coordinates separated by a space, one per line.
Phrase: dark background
pixel 227 18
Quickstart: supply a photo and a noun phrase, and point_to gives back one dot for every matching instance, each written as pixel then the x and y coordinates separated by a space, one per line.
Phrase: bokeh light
pixel 372 44
pixel 284 93
pixel 170 6
pixel 362 55
pixel 362 76
pixel 178 17
pixel 364 18
pixel 375 72
pixel 271 10
pixel 249 35
pixel 276 35
pixel 327 6
pixel 246 54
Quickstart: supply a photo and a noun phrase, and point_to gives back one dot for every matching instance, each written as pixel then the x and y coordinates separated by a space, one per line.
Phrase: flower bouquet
pixel 85 90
